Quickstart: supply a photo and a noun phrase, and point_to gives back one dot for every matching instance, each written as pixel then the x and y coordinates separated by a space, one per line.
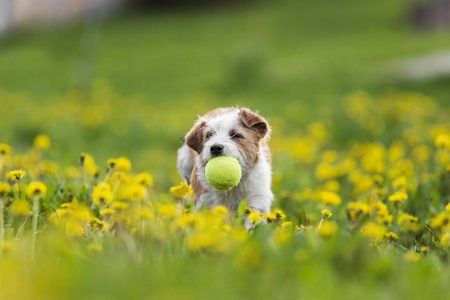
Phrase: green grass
pixel 135 90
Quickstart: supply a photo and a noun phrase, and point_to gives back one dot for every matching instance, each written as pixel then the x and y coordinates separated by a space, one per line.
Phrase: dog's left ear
pixel 194 138
pixel 255 122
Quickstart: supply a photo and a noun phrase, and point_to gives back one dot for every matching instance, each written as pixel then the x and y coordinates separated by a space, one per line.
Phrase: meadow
pixel 92 113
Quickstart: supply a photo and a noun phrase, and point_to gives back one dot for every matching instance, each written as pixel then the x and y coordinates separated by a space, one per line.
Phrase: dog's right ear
pixel 194 138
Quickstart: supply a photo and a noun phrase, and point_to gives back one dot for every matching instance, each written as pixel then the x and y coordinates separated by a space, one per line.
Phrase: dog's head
pixel 230 132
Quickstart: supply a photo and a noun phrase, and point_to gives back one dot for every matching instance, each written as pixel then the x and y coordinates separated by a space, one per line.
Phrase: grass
pixel 131 86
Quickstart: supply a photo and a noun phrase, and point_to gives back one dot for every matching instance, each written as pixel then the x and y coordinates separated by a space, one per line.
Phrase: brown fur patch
pixel 196 185
pixel 194 138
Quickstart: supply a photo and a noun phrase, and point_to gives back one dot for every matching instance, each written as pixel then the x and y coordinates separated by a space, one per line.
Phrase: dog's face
pixel 230 132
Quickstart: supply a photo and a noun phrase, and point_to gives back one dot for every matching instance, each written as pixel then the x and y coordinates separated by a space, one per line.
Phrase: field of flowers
pixel 362 210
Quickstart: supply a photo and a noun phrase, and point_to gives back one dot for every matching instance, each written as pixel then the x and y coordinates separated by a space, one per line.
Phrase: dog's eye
pixel 209 135
pixel 236 136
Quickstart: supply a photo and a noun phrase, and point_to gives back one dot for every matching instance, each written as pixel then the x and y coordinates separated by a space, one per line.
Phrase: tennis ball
pixel 223 172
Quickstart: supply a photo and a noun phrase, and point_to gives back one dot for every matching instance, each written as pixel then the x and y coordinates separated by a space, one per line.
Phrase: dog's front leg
pixel 259 202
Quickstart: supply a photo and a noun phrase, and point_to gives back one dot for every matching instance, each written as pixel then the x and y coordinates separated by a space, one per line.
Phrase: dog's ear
pixel 255 122
pixel 194 138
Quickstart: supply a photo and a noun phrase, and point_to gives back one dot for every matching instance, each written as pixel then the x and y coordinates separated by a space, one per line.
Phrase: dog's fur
pixel 243 135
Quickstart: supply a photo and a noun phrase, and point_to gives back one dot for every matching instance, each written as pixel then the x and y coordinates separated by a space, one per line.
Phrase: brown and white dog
pixel 236 132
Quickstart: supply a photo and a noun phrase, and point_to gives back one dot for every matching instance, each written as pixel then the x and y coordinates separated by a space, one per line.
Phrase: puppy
pixel 236 132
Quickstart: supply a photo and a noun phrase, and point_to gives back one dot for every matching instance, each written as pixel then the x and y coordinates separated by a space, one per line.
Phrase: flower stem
pixel 34 223
pixel 2 227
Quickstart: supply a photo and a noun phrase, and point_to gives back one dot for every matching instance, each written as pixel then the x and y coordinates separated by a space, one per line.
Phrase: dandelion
pixel 134 192
pixel 167 210
pixel 4 189
pixel 16 175
pixel 326 214
pixel 20 207
pixel 119 205
pixel 5 149
pixel 411 256
pixel 442 140
pixel 327 228
pixel 41 142
pixel 330 198
pixel 398 197
pixel 403 218
pixel 391 236
pixel 36 189
pixel 101 194
pixel 279 214
pixel 270 217
pixel 255 218
pixel 287 224
pixel 123 164
pixel 374 231
pixel 144 179
pixel 182 191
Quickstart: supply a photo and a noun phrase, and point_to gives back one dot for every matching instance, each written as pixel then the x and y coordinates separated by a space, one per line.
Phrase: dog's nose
pixel 216 150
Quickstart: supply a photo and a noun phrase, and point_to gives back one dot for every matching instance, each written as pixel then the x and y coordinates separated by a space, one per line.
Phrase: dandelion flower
pixel 5 149
pixel 330 198
pixel 327 228
pixel 42 142
pixel 20 207
pixel 391 236
pixel 4 189
pixel 36 189
pixel 398 197
pixel 442 140
pixel 181 191
pixel 326 214
pixel 16 175
pixel 279 214
pixel 123 164
pixel 144 179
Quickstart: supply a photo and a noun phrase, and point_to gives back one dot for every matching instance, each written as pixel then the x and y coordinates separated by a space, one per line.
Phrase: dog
pixel 235 132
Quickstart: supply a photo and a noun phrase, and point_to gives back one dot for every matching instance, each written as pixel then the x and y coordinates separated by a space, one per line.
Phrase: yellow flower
pixel 326 213
pixel 146 213
pixel 398 197
pixel 447 207
pixel 327 228
pixel 332 186
pixel 403 218
pixel 36 189
pixel 279 214
pixel 330 198
pixel 101 195
pixel 4 189
pixel 442 140
pixel 220 210
pixel 255 218
pixel 119 205
pixel 123 164
pixel 134 192
pixel 391 236
pixel 167 210
pixel 355 210
pixel 270 217
pixel 144 179
pixel 111 162
pixel 20 207
pixel 16 174
pixel 287 224
pixel 5 149
pixel 42 142
pixel 96 224
pixel 181 191
pixel 91 167
pixel 106 212
pixel 411 256
pixel 400 182
pixel 374 231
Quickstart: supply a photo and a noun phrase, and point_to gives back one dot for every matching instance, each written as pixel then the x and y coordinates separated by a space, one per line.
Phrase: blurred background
pixel 128 77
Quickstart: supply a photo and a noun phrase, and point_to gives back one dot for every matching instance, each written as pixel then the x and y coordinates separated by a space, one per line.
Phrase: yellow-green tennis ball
pixel 223 172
